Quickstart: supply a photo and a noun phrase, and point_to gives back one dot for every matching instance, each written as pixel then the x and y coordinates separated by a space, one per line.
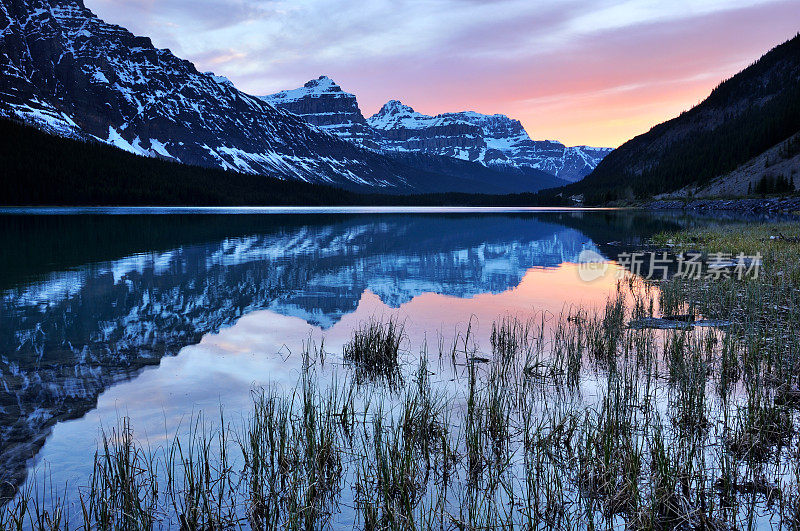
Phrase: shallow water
pixel 159 314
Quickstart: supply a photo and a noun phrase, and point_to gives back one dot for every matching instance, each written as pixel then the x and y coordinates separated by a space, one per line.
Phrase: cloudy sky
pixel 584 72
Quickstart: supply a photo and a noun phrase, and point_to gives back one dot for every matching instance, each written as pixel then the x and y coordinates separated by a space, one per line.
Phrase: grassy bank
pixel 571 421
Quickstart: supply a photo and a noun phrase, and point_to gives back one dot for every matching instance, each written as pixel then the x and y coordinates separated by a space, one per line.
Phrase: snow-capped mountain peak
pixel 323 84
pixel 395 114
pixel 395 107
pixel 323 103
pixel 65 70
pixel 312 89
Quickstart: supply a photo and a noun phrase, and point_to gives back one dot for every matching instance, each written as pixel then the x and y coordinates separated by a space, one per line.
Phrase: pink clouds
pixel 582 72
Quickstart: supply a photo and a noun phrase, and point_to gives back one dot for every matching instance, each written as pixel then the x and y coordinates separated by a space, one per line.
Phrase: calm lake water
pixel 160 314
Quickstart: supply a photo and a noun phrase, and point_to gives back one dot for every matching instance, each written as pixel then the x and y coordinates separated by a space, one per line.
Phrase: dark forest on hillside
pixel 42 169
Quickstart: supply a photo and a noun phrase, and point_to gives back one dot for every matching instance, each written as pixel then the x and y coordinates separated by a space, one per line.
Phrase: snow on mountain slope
pixel 507 142
pixel 67 71
pixel 401 128
pixel 494 140
pixel 323 103
pixel 442 145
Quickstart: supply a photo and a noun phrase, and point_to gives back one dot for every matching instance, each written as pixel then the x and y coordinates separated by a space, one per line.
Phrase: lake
pixel 162 315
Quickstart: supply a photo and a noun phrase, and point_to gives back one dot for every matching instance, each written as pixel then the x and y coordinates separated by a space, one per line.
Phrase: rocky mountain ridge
pixel 494 141
pixel 323 103
pixel 71 74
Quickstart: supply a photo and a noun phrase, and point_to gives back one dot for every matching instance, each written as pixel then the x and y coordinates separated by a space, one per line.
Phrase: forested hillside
pixel 43 169
pixel 744 116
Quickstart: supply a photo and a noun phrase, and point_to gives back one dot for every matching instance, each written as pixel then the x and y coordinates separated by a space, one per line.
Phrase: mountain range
pixel 71 74
pixel 495 141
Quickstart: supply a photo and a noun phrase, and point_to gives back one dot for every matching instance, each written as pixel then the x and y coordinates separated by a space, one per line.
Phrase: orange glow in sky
pixel 583 72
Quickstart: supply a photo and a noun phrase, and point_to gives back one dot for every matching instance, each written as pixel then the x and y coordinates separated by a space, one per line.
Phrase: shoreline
pixel 770 205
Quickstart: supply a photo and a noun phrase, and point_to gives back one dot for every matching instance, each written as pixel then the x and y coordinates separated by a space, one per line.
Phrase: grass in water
pixel 565 422
pixel 374 350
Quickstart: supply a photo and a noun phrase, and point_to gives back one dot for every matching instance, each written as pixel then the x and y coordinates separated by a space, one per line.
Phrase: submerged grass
pixel 579 421
pixel 374 350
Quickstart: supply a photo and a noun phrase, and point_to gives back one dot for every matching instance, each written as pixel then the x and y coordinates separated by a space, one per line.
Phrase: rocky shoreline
pixel 773 205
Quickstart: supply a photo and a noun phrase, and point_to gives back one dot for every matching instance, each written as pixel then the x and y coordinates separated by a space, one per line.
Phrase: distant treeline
pixel 770 184
pixel 43 169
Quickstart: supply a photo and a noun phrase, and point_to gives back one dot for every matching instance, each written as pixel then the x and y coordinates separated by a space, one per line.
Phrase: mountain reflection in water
pixel 88 301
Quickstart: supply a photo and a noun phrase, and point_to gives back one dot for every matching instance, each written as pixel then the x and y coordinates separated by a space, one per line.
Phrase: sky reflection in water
pixel 263 349
pixel 236 296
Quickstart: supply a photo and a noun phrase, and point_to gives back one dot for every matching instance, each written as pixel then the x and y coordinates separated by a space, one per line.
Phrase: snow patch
pixel 160 148
pixel 116 140
pixel 99 77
